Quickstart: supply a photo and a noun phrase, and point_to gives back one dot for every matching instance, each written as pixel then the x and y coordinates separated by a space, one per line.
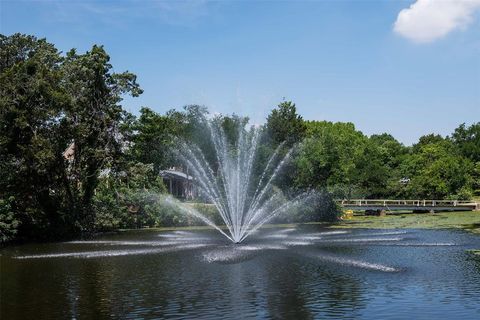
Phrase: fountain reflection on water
pixel 243 206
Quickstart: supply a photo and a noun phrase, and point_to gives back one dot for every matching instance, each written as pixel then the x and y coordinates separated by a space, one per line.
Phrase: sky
pixel 408 68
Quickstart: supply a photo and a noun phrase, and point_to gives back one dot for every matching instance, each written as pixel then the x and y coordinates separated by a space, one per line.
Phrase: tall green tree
pixel 284 129
pixel 391 154
pixel 467 139
pixel 48 103
pixel 32 102
pixel 155 137
pixel 231 125
pixel 371 174
pixel 92 124
pixel 437 171
pixel 328 157
pixel 284 124
pixel 391 150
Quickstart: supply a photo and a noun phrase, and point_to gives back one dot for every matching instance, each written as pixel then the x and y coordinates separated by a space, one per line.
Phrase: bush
pixel 321 207
pixel 464 193
pixel 8 221
pixel 130 199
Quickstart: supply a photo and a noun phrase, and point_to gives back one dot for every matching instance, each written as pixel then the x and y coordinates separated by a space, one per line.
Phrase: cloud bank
pixel 428 20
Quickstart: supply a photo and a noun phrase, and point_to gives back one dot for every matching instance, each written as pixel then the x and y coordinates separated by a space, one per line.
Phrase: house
pixel 179 184
pixel 69 153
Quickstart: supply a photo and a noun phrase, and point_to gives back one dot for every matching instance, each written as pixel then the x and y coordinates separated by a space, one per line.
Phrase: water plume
pixel 243 202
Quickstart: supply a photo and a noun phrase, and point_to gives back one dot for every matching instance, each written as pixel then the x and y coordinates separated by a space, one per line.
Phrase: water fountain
pixel 243 202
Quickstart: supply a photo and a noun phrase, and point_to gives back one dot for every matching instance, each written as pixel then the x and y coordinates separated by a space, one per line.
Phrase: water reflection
pixel 300 274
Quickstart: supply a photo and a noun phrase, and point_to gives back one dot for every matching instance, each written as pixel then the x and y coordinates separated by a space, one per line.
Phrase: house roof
pixel 69 153
pixel 175 174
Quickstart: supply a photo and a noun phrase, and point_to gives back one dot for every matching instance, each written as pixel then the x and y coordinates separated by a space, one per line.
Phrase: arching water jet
pixel 244 200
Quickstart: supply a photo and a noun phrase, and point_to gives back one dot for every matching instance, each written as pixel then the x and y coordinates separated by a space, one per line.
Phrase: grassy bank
pixel 475 253
pixel 467 220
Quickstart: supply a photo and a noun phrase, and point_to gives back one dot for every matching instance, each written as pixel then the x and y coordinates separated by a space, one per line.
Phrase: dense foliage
pixel 48 103
pixel 73 161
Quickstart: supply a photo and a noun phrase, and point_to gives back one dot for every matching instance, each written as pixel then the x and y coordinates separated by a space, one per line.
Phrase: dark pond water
pixel 303 273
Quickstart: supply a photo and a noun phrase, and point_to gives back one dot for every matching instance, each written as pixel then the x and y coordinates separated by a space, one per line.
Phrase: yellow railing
pixel 410 203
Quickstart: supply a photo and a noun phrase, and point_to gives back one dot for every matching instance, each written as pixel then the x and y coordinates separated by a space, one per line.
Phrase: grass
pixel 475 252
pixel 467 220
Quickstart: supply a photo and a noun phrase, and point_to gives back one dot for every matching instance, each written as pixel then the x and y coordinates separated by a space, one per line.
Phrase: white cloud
pixel 428 20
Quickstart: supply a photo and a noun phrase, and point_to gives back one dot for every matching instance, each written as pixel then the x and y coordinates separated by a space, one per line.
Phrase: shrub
pixel 8 221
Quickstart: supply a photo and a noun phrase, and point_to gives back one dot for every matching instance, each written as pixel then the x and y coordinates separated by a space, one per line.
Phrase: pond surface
pixel 301 273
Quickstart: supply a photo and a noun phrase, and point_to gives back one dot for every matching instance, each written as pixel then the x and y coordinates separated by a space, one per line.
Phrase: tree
pixel 129 199
pixel 8 221
pixel 48 103
pixel 92 124
pixel 391 154
pixel 436 171
pixel 31 114
pixel 231 125
pixel 285 125
pixel 18 48
pixel 317 162
pixel 391 151
pixel 426 140
pixel 328 157
pixel 467 139
pixel 476 179
pixel 284 129
pixel 371 173
pixel 155 137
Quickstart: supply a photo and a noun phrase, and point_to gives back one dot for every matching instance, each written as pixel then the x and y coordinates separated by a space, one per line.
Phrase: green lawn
pixel 475 252
pixel 468 220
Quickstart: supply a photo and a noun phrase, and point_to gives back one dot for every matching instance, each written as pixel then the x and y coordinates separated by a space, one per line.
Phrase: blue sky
pixel 409 72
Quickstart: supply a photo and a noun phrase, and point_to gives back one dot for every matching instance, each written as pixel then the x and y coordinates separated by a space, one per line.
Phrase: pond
pixel 297 273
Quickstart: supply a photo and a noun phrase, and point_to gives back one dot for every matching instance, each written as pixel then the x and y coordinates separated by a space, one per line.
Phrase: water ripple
pixel 110 253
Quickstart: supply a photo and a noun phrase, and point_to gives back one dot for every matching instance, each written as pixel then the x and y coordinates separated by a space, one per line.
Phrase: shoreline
pixel 463 220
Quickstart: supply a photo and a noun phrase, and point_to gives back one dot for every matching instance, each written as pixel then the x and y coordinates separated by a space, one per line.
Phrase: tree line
pixel 73 161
